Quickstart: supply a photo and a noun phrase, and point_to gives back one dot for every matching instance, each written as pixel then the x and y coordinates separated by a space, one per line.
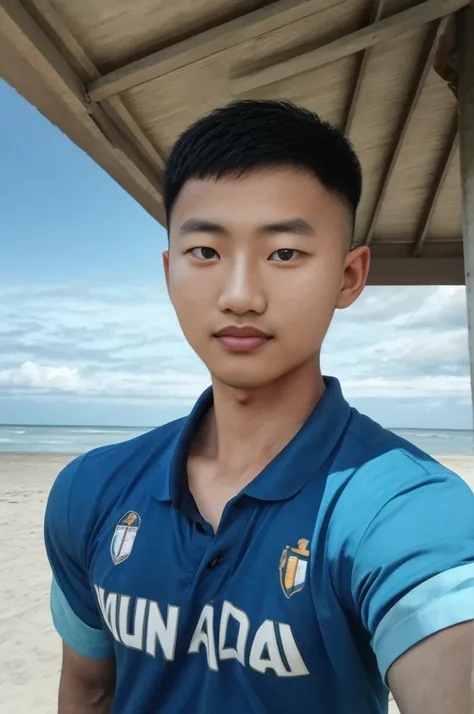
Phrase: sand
pixel 29 648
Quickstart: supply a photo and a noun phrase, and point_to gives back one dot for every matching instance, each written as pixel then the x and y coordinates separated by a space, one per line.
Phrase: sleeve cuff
pixel 81 638
pixel 444 600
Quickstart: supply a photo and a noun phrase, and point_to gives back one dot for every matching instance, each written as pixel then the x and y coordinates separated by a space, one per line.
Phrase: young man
pixel 276 550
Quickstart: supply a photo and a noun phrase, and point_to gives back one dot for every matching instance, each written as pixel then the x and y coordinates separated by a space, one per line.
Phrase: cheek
pixel 186 306
pixel 310 292
pixel 305 308
pixel 181 283
pixel 191 293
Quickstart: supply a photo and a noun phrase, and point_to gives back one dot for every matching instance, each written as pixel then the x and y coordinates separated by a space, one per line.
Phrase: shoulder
pixel 387 460
pixel 111 465
pixel 90 484
pixel 376 472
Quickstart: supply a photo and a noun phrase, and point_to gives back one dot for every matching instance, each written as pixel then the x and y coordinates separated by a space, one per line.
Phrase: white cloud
pixel 444 308
pixel 169 384
pixel 125 345
pixel 39 377
pixel 422 387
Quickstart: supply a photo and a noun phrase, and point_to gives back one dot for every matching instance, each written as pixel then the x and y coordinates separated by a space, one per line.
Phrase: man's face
pixel 265 252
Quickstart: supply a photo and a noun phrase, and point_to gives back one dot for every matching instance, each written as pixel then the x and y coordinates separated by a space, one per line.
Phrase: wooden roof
pixel 122 79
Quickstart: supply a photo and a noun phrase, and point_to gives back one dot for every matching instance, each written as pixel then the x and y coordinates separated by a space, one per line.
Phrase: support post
pixel 465 43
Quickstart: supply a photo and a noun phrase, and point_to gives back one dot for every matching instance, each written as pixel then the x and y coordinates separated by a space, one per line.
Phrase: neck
pixel 264 420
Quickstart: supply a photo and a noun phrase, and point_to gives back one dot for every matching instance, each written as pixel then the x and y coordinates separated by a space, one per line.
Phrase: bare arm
pixel 435 675
pixel 86 685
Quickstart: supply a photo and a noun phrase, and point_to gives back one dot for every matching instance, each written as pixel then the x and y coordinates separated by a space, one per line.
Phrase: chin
pixel 246 379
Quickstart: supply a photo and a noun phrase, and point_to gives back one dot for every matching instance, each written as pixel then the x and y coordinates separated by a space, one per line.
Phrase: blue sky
pixel 87 335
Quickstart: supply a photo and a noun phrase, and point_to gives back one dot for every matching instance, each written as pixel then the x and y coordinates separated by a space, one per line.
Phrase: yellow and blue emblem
pixel 293 566
pixel 124 537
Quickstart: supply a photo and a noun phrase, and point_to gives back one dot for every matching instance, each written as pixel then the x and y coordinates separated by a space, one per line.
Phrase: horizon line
pixel 130 426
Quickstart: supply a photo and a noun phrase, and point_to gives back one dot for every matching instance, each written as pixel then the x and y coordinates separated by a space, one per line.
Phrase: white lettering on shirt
pixel 133 639
pixel 204 635
pixel 165 633
pixel 237 652
pixel 108 607
pixel 137 623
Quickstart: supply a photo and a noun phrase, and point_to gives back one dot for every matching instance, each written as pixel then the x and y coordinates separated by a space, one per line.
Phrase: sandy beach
pixel 29 648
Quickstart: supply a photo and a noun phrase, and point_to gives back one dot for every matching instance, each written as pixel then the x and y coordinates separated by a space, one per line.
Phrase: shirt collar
pixel 283 477
pixel 307 451
pixel 171 472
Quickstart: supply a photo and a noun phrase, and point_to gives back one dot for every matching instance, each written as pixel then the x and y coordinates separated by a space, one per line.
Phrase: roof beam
pixel 39 51
pixel 465 92
pixel 377 10
pixel 421 271
pixel 49 65
pixel 114 107
pixel 408 115
pixel 265 19
pixel 389 28
pixel 120 115
pixel 438 184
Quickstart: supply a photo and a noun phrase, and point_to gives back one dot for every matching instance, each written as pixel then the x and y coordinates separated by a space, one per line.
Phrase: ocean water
pixel 78 439
pixel 62 439
pixel 438 442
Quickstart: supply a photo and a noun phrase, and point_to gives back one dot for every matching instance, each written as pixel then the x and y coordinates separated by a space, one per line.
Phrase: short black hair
pixel 252 134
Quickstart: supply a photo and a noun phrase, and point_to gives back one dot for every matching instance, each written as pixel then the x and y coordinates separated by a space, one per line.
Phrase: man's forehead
pixel 263 196
pixel 267 178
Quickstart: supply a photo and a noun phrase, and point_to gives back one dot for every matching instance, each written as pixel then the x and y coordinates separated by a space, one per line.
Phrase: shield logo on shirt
pixel 293 566
pixel 124 537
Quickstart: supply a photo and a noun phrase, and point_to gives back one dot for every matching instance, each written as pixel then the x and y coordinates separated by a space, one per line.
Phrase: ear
pixel 166 268
pixel 356 270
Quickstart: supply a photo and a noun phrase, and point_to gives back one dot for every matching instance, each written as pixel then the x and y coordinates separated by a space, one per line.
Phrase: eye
pixel 285 255
pixel 204 254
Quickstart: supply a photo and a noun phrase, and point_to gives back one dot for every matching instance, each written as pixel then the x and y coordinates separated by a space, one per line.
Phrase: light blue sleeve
pixel 413 572
pixel 444 600
pixel 402 552
pixel 81 638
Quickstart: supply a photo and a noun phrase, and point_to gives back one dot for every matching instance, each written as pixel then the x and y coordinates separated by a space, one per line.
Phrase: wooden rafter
pixel 438 184
pixel 34 45
pixel 53 68
pixel 389 28
pixel 206 43
pixel 377 10
pixel 408 115
pixel 114 106
pixel 465 34
pixel 424 271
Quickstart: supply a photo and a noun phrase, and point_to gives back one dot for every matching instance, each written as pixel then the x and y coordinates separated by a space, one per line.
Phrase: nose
pixel 243 291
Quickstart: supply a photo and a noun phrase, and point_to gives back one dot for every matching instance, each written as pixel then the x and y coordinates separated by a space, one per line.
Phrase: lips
pixel 243 331
pixel 236 338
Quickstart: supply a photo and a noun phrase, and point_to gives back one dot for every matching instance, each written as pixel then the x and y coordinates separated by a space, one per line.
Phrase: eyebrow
pixel 198 225
pixel 297 226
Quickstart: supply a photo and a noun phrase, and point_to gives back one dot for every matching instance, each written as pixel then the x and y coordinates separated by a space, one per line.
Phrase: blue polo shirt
pixel 350 547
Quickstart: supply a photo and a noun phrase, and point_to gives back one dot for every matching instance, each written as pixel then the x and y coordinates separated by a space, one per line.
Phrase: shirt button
pixel 212 564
